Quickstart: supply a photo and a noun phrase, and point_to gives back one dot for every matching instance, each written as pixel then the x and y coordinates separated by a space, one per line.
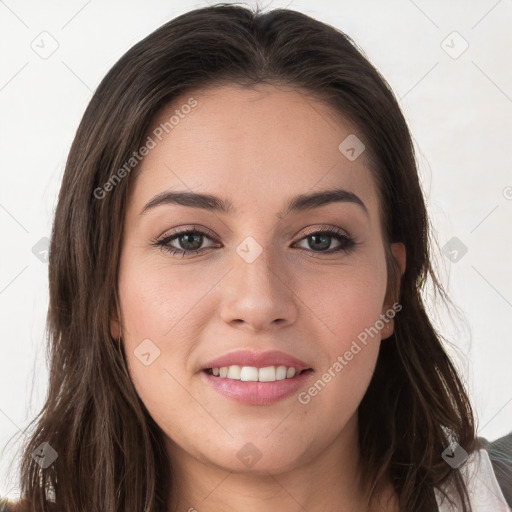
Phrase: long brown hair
pixel 111 455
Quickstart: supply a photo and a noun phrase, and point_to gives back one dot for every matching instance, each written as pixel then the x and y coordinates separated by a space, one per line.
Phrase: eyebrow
pixel 213 203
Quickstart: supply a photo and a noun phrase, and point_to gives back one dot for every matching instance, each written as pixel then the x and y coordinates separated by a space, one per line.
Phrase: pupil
pixel 188 237
pixel 324 245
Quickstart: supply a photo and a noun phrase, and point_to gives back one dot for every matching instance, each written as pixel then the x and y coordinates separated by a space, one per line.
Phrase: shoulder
pixel 500 455
pixel 481 483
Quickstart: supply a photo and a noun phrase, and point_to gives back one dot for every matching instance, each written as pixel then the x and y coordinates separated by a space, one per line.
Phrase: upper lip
pixel 257 359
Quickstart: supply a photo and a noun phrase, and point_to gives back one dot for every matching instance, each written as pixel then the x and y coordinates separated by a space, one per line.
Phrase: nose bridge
pixel 255 265
pixel 255 292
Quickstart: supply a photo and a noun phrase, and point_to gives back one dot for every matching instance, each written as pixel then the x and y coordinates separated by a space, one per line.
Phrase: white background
pixel 459 111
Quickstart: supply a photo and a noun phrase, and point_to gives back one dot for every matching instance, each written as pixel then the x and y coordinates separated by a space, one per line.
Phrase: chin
pixel 257 458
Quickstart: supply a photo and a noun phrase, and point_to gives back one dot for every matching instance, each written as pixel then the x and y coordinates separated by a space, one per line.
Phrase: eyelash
pixel 347 243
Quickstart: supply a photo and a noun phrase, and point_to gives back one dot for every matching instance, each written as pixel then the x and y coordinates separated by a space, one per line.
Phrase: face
pixel 258 277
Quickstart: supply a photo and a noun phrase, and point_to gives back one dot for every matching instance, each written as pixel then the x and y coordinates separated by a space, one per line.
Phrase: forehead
pixel 256 144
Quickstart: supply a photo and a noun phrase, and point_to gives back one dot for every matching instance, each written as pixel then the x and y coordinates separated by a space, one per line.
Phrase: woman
pixel 236 268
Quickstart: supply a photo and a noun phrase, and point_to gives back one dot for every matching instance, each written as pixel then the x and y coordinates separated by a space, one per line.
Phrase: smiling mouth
pixel 254 374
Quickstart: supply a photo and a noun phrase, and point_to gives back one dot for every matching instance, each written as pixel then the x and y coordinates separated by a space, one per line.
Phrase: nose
pixel 258 295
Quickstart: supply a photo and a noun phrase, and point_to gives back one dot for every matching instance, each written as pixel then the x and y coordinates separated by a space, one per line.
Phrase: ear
pixel 399 254
pixel 115 330
pixel 398 251
pixel 115 321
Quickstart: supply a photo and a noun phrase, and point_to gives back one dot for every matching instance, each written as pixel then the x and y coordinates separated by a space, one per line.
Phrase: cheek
pixel 348 300
pixel 164 314
pixel 156 299
pixel 349 305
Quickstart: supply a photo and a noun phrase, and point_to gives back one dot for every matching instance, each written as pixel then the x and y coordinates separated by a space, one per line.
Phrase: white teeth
pixel 290 373
pixel 234 372
pixel 267 374
pixel 249 373
pixel 253 374
pixel 281 373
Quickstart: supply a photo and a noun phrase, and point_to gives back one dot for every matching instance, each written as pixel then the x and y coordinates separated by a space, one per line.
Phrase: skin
pixel 257 147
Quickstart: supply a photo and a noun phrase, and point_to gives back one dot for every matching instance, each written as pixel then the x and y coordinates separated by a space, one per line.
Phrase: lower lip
pixel 257 393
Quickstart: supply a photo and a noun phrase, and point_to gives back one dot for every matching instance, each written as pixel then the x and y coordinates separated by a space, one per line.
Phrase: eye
pixel 320 241
pixel 189 241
